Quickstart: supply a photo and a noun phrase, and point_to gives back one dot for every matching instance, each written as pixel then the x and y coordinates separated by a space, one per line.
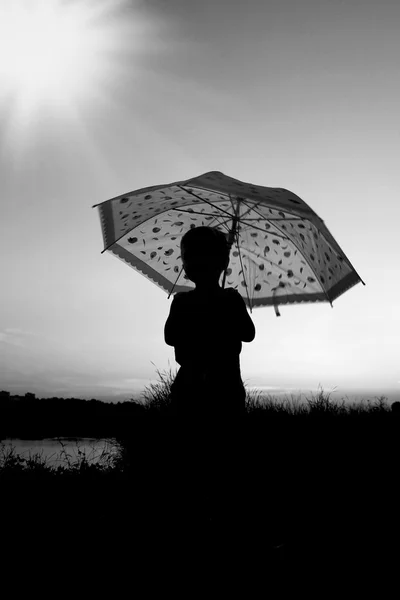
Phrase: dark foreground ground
pixel 278 502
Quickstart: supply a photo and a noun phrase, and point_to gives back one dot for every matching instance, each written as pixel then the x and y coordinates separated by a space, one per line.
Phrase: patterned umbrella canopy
pixel 281 251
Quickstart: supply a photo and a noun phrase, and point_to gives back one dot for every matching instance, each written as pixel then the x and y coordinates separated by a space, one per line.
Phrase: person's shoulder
pixel 233 295
pixel 182 296
pixel 232 292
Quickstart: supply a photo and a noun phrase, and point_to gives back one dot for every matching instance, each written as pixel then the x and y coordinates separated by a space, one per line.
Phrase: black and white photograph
pixel 199 297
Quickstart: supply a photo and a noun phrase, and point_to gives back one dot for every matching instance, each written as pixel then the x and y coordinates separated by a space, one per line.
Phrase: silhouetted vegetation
pixel 63 417
pixel 297 481
pixel 28 417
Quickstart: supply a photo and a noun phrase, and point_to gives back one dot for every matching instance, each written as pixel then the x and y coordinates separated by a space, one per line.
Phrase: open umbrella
pixel 281 250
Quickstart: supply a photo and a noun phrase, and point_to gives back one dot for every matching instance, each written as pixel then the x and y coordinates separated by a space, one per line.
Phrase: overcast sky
pixel 300 95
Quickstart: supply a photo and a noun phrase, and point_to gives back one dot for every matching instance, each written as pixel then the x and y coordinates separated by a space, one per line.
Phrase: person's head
pixel 205 254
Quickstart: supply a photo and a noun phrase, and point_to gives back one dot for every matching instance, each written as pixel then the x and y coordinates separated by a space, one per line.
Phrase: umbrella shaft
pixel 231 239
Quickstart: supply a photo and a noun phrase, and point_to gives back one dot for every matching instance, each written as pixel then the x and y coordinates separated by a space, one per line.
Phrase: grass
pixel 156 402
pixel 311 472
pixel 319 403
pixel 64 464
pixel 156 397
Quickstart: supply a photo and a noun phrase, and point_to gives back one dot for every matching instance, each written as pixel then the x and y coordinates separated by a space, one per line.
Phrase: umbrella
pixel 280 250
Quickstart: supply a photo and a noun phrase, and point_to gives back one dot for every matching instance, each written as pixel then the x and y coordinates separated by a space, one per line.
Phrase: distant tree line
pixel 31 417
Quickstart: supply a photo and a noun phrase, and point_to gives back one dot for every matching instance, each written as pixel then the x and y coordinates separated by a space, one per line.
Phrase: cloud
pixel 126 385
pixel 12 337
pixel 90 383
pixel 17 331
pixel 34 362
pixel 69 382
pixel 22 338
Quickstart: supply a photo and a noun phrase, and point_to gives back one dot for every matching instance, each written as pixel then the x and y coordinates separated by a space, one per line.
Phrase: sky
pixel 100 98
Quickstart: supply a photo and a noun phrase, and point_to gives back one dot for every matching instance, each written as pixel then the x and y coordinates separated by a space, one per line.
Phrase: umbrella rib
pixel 137 225
pixel 266 231
pixel 194 212
pixel 248 251
pixel 264 218
pixel 261 216
pixel 223 224
pixel 204 200
pixel 272 219
pixel 234 208
pixel 152 217
pixel 244 278
pixel 254 208
pixel 313 270
pixel 293 289
pixel 296 245
pixel 176 281
pixel 251 207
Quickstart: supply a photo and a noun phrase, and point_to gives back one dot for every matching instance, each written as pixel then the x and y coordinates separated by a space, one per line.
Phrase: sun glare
pixel 54 54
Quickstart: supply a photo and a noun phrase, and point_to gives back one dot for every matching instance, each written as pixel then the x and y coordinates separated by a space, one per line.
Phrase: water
pixel 61 451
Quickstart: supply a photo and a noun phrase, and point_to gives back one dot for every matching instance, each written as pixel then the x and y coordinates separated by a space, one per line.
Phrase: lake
pixel 60 451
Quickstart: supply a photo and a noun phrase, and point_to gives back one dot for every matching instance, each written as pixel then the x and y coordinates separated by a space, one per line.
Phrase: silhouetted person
pixel 207 326
pixel 396 407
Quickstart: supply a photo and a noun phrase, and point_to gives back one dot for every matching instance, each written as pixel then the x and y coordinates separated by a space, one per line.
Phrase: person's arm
pixel 243 323
pixel 173 324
